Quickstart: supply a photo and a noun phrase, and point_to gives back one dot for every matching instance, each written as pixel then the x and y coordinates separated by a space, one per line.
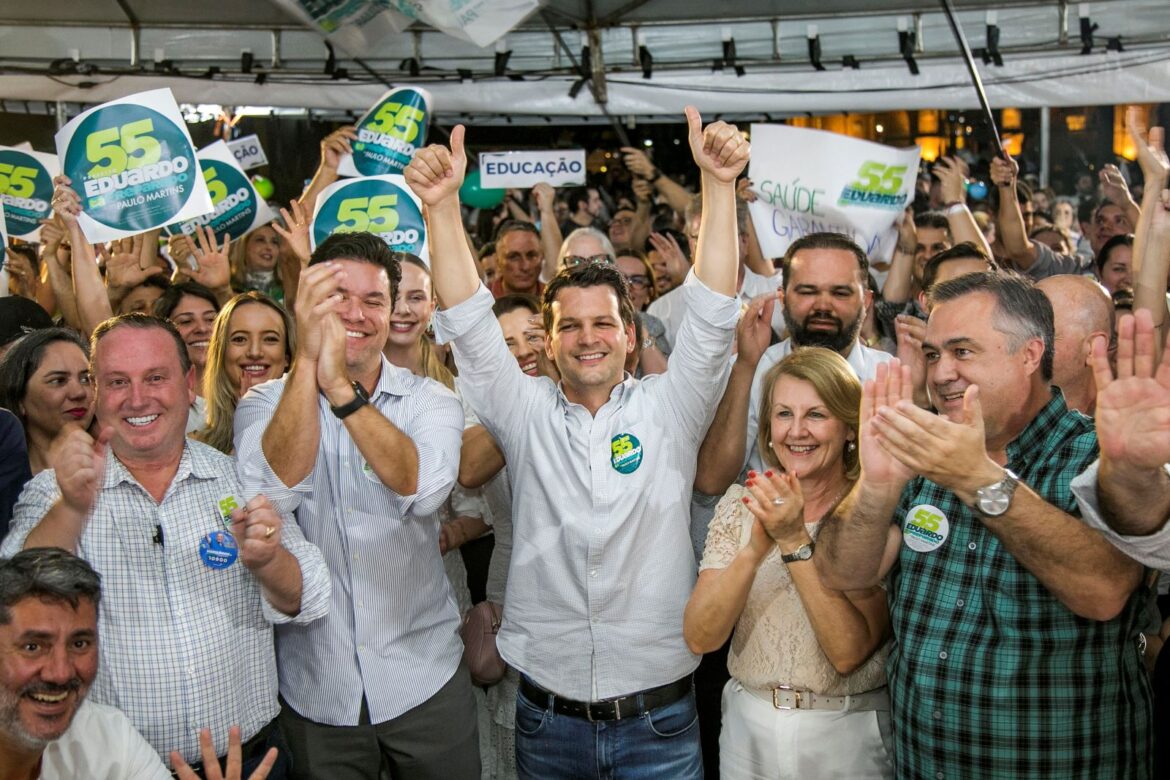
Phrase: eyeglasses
pixel 572 261
pixel 638 280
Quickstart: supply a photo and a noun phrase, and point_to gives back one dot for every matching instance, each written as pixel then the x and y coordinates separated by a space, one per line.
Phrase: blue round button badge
pixel 625 453
pixel 218 550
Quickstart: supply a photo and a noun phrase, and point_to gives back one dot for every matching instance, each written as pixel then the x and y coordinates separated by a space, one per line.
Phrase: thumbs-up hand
pixel 436 172
pixel 720 150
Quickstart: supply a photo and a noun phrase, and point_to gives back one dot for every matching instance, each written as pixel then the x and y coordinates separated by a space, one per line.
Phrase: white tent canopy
pixel 91 51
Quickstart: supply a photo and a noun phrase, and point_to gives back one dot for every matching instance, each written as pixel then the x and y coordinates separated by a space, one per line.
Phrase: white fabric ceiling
pixel 123 39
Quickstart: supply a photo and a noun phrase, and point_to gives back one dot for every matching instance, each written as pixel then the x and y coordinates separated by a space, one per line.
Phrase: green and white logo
pixel 26 189
pixel 382 205
pixel 238 207
pixel 389 133
pixel 925 528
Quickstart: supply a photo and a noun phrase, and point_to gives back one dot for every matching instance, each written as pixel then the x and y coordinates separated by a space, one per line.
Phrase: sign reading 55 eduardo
pixel 382 205
pixel 133 164
pixel 26 189
pixel 389 133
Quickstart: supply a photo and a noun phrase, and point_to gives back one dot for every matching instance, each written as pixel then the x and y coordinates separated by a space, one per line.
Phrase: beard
pixel 840 339
pixel 13 727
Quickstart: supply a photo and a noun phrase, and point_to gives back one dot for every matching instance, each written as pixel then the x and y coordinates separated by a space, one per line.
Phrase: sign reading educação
pixel 238 208
pixel 133 164
pixel 26 189
pixel 500 170
pixel 811 181
pixel 382 205
pixel 248 152
pixel 389 133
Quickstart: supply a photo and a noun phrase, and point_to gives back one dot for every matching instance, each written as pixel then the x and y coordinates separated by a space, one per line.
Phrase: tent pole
pixel 1045 143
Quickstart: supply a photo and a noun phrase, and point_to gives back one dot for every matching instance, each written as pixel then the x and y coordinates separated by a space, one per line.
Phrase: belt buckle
pixel 617 710
pixel 776 700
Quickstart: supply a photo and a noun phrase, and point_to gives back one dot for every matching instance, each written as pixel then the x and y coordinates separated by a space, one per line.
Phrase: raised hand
pixel 1113 185
pixel 643 190
pixel 1133 408
pixel 256 527
pixel 21 270
pixel 79 463
pixel 234 765
pixel 677 264
pixel 1151 149
pixel 123 261
pixel 212 268
pixel 336 145
pixel 753 334
pixel 720 150
pixel 1004 171
pixel 743 191
pixel 436 172
pixel 910 333
pixel 66 202
pixel 638 163
pixel 891 384
pixel 545 196
pixel 952 174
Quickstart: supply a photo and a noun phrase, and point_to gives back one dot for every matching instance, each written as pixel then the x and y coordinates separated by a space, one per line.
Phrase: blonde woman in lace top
pixel 807 695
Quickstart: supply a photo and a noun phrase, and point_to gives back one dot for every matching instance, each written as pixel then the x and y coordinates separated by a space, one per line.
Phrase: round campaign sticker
pixel 925 528
pixel 389 134
pixel 232 196
pixel 26 189
pixel 625 453
pixel 218 550
pixel 375 205
pixel 131 166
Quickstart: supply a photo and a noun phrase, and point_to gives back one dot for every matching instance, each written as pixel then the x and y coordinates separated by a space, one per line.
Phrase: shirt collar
pixel 192 463
pixel 393 380
pixel 1034 433
pixel 616 394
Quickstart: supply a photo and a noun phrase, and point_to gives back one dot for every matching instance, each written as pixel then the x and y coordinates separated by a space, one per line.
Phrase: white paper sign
pixel 560 168
pixel 812 181
pixel 248 152
pixel 239 209
pixel 382 205
pixel 133 163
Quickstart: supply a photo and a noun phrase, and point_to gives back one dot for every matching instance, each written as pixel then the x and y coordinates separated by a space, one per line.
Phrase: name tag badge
pixel 218 550
pixel 925 528
pixel 625 453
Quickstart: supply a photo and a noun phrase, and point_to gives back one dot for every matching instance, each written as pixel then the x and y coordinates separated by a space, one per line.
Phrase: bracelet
pixel 954 208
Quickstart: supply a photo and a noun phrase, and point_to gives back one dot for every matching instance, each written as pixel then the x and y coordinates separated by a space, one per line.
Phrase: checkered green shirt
pixel 990 675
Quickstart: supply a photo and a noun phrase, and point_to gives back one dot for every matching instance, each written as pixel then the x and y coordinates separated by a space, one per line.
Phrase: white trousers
pixel 760 742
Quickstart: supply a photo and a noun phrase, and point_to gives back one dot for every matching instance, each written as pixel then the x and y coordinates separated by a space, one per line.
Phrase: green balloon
pixel 263 186
pixel 477 197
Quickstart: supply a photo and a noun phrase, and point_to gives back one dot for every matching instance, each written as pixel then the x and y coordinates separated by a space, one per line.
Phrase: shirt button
pixel 593 573
pixel 361 605
pixel 361 647
pixel 355 556
pixel 972 546
pixel 943 655
pixel 937 714
pixel 960 603
pixel 939 775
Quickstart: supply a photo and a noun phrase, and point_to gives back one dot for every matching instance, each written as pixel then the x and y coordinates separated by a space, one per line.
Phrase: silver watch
pixel 802 553
pixel 995 499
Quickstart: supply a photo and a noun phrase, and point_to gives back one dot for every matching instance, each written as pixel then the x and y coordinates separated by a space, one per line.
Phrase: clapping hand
pixel 775 499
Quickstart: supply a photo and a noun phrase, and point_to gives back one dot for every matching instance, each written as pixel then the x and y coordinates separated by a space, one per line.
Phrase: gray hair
pixel 46 573
pixel 584 232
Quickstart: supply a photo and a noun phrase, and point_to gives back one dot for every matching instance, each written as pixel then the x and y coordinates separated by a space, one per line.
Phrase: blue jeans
pixel 662 743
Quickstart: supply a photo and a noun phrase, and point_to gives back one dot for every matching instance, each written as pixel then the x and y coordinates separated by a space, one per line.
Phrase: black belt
pixel 609 709
pixel 255 747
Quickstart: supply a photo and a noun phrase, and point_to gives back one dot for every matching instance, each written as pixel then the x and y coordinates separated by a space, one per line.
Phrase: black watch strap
pixel 361 398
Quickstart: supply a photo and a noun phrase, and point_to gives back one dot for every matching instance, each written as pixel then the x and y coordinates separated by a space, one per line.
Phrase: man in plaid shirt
pixel 1016 647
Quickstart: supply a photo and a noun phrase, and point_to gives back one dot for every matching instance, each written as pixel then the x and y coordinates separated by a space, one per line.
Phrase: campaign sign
pixel 500 170
pixel 133 164
pixel 26 189
pixel 248 152
pixel 238 208
pixel 389 133
pixel 382 205
pixel 811 181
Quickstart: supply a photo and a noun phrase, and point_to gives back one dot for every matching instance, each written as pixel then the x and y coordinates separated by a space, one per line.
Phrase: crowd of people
pixel 819 515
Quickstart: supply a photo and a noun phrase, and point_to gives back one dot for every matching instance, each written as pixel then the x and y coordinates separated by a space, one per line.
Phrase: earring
pixel 851 446
pixel 769 444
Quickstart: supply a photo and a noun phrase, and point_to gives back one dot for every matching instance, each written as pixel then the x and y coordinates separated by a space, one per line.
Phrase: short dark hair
pixel 140 321
pixel 364 248
pixel 1086 209
pixel 49 574
pixel 165 304
pixel 22 361
pixel 159 281
pixel 588 275
pixel 577 195
pixel 513 301
pixel 932 219
pixel 962 251
pixel 824 241
pixel 1125 239
pixel 513 226
pixel 1022 311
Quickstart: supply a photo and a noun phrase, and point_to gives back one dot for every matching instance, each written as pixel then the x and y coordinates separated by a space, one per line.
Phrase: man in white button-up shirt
pixel 601 468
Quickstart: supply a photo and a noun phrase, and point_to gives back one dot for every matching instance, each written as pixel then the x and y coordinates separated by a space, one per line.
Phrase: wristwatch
pixel 995 499
pixel 361 398
pixel 802 553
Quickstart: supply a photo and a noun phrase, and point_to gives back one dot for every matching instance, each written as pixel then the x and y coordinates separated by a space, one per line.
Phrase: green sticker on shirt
pixel 625 453
pixel 925 528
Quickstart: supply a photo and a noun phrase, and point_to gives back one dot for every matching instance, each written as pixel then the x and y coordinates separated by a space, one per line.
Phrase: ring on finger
pixel 777 501
pixel 269 532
